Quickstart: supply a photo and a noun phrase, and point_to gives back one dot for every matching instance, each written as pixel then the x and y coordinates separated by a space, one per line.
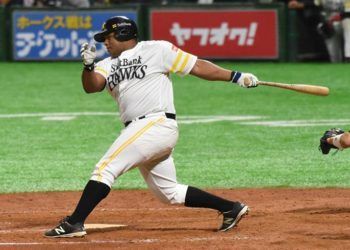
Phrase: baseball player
pixel 332 18
pixel 334 138
pixel 136 75
pixel 337 13
pixel 346 29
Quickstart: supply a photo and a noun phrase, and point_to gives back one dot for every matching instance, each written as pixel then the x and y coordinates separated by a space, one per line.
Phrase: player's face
pixel 113 46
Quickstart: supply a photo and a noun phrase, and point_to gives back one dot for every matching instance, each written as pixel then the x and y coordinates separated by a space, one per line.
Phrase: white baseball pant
pixel 147 144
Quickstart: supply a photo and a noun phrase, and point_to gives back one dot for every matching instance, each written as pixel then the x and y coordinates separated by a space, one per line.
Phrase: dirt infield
pixel 279 219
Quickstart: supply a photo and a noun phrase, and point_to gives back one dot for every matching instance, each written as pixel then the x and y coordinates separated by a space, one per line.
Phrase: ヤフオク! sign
pixel 230 34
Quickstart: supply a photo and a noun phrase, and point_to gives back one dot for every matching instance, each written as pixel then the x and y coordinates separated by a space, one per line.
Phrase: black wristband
pixel 235 75
pixel 89 67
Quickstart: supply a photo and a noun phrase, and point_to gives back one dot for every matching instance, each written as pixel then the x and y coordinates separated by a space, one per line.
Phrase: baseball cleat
pixel 232 217
pixel 66 230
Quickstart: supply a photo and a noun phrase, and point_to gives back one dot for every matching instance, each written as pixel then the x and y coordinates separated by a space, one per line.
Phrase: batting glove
pixel 88 55
pixel 245 80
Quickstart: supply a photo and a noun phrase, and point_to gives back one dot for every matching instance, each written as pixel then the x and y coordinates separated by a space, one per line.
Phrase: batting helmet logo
pixel 124 28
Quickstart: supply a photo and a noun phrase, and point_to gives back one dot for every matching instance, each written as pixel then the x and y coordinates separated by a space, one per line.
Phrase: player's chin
pixel 113 54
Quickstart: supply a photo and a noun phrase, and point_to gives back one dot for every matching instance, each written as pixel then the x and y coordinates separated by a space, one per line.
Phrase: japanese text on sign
pixel 49 42
pixel 55 22
pixel 58 35
pixel 223 33
pixel 244 35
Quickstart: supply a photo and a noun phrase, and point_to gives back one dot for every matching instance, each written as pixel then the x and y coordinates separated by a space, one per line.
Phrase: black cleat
pixel 66 230
pixel 232 217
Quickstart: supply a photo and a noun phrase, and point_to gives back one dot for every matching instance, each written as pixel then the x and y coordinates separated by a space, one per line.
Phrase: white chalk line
pixel 219 118
pixel 103 210
pixel 181 119
pixel 299 123
pixel 16 230
pixel 88 227
pixel 28 115
pixel 252 120
pixel 58 118
pixel 137 241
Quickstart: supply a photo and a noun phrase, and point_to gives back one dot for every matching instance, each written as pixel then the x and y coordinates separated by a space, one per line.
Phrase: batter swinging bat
pixel 303 88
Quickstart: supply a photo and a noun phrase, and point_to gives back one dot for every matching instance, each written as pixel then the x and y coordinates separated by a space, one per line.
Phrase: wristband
pixel 89 67
pixel 235 75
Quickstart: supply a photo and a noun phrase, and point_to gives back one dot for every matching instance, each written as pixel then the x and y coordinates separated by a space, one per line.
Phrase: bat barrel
pixel 302 88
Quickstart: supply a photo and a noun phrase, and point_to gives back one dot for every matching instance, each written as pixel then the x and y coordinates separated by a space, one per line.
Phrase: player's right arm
pixel 92 81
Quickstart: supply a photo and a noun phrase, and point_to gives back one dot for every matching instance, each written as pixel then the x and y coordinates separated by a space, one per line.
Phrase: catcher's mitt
pixel 325 147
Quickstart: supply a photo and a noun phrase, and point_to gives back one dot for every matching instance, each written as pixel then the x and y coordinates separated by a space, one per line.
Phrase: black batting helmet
pixel 125 29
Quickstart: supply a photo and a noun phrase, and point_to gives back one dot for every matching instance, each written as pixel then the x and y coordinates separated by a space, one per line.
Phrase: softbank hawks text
pixel 126 70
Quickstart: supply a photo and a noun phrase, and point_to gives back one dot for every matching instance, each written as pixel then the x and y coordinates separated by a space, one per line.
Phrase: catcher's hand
pixel 325 147
pixel 245 80
pixel 88 55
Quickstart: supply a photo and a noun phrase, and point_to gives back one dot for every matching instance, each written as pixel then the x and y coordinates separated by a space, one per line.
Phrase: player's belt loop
pixel 168 115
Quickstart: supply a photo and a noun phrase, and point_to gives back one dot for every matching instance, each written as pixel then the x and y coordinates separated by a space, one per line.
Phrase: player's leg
pixel 73 226
pixel 97 188
pixel 161 180
pixel 134 146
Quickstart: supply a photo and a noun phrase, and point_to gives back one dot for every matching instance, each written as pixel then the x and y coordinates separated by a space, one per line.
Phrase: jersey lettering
pixel 126 70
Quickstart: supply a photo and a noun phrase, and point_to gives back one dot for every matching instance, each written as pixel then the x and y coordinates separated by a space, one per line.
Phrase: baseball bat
pixel 303 88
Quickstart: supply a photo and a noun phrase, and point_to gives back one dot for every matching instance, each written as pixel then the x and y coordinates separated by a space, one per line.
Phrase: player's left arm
pixel 212 72
pixel 180 62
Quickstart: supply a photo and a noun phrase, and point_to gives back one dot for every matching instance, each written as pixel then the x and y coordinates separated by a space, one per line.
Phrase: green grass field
pixel 45 155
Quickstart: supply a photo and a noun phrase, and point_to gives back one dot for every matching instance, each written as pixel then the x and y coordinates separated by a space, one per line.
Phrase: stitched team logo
pixel 124 69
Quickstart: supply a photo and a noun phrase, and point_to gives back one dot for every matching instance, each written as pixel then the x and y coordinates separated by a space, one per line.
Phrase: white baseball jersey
pixel 139 78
